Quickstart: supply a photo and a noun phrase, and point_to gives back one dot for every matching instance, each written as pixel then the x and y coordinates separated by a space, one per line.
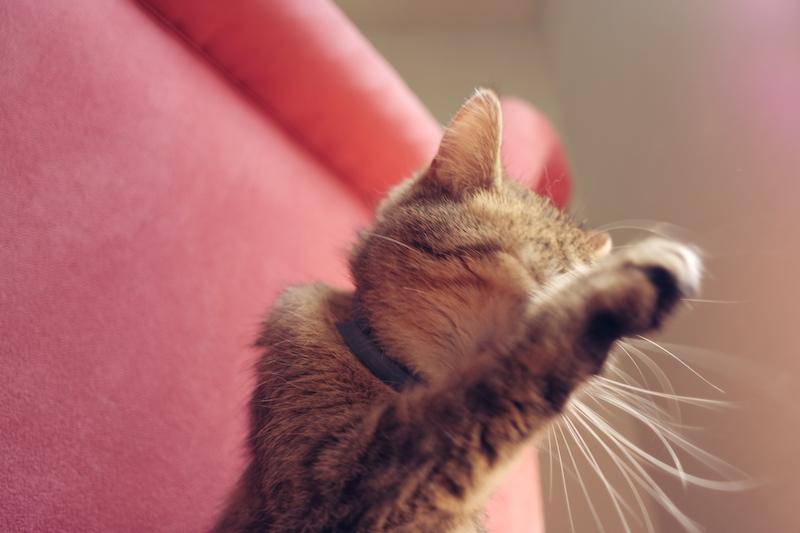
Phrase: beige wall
pixel 686 111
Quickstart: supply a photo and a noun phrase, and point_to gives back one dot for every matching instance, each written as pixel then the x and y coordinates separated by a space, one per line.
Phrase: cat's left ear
pixel 469 156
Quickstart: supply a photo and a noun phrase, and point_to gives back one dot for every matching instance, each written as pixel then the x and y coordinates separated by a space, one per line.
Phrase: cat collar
pixel 356 335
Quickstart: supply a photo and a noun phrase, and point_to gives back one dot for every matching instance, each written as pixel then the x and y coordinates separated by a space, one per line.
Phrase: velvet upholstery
pixel 164 172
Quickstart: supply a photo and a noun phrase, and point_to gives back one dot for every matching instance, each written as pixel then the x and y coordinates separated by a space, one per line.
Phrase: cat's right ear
pixel 599 244
pixel 469 155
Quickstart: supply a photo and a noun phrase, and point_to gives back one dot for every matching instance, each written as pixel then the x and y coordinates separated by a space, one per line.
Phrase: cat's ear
pixel 599 244
pixel 469 155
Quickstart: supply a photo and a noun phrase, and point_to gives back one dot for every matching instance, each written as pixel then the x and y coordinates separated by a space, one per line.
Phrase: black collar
pixel 357 336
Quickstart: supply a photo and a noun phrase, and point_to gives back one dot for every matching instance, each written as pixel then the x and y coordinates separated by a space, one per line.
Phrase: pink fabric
pixel 321 78
pixel 149 213
pixel 532 152
pixel 516 506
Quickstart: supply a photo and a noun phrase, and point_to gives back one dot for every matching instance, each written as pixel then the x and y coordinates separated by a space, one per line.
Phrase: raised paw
pixel 671 266
pixel 634 289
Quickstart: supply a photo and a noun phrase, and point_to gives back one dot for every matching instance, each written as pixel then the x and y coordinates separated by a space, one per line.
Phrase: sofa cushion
pixel 149 212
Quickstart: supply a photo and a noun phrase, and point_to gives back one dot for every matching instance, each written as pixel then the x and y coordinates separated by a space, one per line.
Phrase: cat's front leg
pixel 435 454
pixel 631 292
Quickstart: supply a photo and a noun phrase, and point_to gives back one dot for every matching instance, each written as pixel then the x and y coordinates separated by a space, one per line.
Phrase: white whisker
pixel 625 350
pixel 642 478
pixel 779 384
pixel 610 489
pixel 662 378
pixel 704 402
pixel 570 427
pixel 626 444
pixel 564 480
pixel 389 239
pixel 550 456
pixel 657 431
pixel 680 361
pixel 712 301
pixel 415 290
pixel 662 229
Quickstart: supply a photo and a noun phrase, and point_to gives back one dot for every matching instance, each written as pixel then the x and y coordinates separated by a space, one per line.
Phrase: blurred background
pixel 678 111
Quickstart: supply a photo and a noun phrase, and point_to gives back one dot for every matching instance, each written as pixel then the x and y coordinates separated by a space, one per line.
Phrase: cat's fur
pixel 499 301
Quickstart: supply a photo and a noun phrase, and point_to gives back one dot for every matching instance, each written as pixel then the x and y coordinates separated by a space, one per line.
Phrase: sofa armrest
pixel 310 68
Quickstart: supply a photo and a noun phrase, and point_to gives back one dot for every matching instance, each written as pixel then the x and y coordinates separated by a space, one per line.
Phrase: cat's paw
pixel 674 269
pixel 634 289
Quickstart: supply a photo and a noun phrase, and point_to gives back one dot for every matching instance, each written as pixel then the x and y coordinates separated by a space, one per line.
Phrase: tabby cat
pixel 480 308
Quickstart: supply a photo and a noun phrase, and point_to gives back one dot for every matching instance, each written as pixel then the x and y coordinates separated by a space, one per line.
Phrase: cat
pixel 479 309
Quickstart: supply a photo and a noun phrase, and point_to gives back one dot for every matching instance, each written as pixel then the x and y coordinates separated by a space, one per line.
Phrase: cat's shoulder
pixel 305 313
pixel 305 348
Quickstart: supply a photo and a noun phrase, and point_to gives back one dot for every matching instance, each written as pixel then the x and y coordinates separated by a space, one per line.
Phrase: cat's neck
pixel 358 336
pixel 432 334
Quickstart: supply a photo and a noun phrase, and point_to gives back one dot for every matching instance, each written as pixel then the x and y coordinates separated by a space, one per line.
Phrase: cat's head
pixel 457 251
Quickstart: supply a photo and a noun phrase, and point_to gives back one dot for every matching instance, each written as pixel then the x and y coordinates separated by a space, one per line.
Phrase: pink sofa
pixel 165 169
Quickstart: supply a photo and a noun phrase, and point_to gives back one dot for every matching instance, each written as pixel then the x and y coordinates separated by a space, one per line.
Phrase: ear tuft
pixel 469 155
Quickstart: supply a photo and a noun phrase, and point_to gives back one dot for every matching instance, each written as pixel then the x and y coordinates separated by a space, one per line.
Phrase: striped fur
pixel 502 303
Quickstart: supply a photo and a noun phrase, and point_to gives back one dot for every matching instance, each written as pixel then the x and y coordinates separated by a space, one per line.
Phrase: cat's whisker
pixel 646 406
pixel 681 362
pixel 633 385
pixel 564 481
pixel 643 404
pixel 704 402
pixel 639 474
pixel 709 460
pixel 611 491
pixel 779 384
pixel 662 229
pixel 384 237
pixel 571 430
pixel 550 456
pixel 713 301
pixel 554 454
pixel 415 290
pixel 622 345
pixel 660 375
pixel 657 430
